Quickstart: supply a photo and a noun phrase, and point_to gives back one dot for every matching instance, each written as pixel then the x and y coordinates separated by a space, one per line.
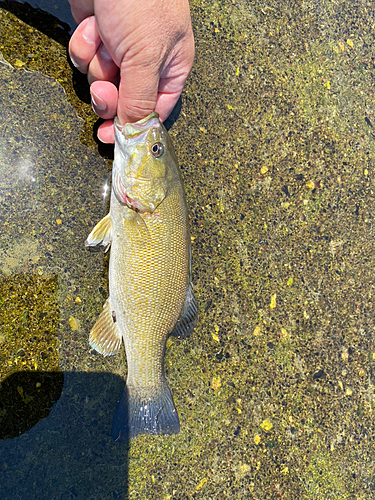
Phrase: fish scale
pixel 155 290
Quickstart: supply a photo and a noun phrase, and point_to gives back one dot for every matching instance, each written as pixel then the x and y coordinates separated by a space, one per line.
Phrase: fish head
pixel 143 163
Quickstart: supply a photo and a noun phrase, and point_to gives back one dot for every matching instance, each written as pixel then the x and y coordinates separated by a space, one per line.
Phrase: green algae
pixel 29 308
pixel 276 145
pixel 31 380
pixel 325 477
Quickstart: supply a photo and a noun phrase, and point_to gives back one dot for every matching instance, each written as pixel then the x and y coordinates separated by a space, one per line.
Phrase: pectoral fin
pixel 105 337
pixel 188 316
pixel 135 225
pixel 102 233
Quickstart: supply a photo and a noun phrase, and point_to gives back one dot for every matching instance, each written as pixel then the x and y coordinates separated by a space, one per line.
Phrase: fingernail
pixel 97 103
pixel 104 52
pixel 74 62
pixel 90 31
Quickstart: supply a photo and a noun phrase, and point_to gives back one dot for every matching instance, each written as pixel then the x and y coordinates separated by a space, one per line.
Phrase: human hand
pixel 143 47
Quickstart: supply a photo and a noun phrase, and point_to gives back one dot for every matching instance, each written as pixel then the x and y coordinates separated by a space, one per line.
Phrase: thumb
pixel 138 91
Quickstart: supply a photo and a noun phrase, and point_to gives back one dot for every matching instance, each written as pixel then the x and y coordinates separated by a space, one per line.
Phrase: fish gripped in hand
pixel 150 289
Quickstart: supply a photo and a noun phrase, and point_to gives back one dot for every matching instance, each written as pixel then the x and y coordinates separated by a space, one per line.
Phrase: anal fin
pixel 188 316
pixel 105 337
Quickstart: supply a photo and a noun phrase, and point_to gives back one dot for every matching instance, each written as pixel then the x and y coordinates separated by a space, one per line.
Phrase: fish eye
pixel 157 149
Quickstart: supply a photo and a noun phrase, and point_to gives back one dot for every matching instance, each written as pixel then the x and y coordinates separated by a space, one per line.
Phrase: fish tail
pixel 136 414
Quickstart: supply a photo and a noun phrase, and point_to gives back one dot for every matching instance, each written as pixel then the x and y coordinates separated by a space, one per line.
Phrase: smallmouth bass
pixel 150 289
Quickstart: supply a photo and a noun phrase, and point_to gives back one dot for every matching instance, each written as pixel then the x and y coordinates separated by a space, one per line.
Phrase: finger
pixel 137 91
pixel 81 9
pixel 165 104
pixel 169 91
pixel 173 78
pixel 104 97
pixel 106 132
pixel 102 67
pixel 84 44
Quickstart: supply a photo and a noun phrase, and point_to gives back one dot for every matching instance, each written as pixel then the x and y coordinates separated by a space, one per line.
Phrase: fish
pixel 151 293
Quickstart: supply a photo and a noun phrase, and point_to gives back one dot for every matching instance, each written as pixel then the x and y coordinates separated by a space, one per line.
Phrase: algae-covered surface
pixel 275 388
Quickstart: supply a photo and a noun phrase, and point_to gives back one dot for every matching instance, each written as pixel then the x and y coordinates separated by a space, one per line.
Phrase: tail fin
pixel 135 414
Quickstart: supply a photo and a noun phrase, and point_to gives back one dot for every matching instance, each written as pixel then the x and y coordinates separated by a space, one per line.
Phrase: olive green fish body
pixel 150 290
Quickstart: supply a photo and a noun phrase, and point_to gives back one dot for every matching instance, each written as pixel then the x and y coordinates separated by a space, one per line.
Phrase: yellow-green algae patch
pixel 30 377
pixel 324 478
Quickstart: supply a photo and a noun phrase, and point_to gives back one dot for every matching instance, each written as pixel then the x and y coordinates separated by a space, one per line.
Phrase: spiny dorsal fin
pixel 102 233
pixel 105 337
pixel 188 316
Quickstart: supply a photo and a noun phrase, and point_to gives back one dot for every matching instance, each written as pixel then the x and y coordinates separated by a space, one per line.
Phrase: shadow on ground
pixel 69 453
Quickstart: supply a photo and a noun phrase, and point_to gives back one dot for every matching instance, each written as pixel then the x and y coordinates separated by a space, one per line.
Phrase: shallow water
pixel 275 388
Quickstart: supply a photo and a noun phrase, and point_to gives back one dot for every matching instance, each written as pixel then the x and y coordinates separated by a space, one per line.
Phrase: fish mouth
pixel 132 131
